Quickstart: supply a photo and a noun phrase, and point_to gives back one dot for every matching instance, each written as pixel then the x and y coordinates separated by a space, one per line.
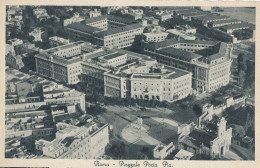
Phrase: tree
pixel 96 110
pixel 117 150
pixel 241 76
pixel 241 62
pixel 197 110
pixel 238 131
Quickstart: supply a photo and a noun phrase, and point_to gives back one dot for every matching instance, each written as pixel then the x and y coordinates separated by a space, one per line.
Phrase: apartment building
pixel 86 142
pixel 61 63
pixel 209 62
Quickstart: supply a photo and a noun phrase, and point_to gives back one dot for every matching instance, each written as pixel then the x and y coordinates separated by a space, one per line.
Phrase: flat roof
pixel 95 19
pixel 225 21
pixel 83 28
pixel 120 19
pixel 171 51
pixel 118 30
pixel 111 56
pixel 211 17
pixel 236 26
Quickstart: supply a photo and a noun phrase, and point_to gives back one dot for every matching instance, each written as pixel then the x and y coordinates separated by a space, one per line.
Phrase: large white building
pixel 61 63
pixel 86 142
pixel 208 61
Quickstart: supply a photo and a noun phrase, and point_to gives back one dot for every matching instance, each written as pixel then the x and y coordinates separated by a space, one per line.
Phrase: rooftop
pixel 111 56
pixel 95 19
pixel 211 17
pixel 236 26
pixel 196 137
pixel 83 28
pixel 225 21
pixel 170 51
pixel 118 30
pixel 120 19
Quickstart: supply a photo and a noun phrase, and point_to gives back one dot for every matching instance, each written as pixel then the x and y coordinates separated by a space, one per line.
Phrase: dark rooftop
pixel 83 28
pixel 225 21
pixel 120 19
pixel 211 17
pixel 118 30
pixel 111 56
pixel 201 137
pixel 185 55
pixel 95 19
pixel 235 26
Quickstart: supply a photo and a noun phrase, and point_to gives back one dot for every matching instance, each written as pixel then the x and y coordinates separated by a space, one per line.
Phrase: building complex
pixel 208 61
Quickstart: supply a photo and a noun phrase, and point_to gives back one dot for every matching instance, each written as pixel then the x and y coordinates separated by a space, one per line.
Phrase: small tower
pixel 221 127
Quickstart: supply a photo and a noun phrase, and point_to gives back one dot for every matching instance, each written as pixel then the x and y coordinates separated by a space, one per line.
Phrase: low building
pixel 94 13
pixel 161 151
pixel 86 142
pixel 14 61
pixel 175 33
pixel 183 155
pixel 204 20
pixel 15 42
pixel 151 20
pixel 232 27
pixel 223 23
pixel 75 19
pixel 187 29
pixel 163 15
pixel 14 14
pixel 57 41
pixel 37 34
pixel 155 37
pixel 41 14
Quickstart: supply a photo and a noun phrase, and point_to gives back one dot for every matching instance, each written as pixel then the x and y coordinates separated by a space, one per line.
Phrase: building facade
pixel 209 62
pixel 61 63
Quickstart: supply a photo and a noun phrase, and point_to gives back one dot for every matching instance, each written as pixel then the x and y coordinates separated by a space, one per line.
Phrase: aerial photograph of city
pixel 130 82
